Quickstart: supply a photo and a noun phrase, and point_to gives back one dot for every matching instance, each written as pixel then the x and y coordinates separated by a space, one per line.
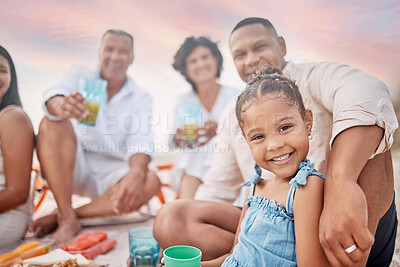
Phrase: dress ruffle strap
pixel 305 169
pixel 255 177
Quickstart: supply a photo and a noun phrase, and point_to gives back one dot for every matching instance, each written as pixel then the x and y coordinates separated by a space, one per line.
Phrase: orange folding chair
pixel 161 167
pixel 40 186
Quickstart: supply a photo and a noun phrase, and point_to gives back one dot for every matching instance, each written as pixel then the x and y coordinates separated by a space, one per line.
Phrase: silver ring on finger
pixel 351 249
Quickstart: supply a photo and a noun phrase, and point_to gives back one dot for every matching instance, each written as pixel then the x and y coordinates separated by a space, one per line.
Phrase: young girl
pixel 280 219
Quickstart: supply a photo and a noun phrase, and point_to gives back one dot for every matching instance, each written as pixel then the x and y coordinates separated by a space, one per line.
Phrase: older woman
pixel 200 62
pixel 17 142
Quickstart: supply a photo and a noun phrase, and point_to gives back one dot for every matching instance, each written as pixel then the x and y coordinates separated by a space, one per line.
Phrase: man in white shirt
pixel 350 107
pixel 107 162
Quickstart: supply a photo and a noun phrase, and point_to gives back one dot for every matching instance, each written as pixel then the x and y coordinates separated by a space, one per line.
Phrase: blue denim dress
pixel 267 236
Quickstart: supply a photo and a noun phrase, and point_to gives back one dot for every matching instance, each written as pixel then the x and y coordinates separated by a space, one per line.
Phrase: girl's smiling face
pixel 277 134
pixel 5 76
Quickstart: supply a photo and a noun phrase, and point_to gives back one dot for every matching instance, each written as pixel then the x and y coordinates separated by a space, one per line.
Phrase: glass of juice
pixel 143 248
pixel 190 119
pixel 93 90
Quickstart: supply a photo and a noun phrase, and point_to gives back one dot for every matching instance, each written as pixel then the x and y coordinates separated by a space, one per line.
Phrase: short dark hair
pixel 187 48
pixel 254 20
pixel 118 32
pixel 11 97
pixel 269 81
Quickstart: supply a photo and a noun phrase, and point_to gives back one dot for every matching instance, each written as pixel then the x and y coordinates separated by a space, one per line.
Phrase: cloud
pixel 49 36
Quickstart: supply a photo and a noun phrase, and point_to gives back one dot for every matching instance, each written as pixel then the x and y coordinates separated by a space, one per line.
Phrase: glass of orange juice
pixel 93 90
pixel 190 119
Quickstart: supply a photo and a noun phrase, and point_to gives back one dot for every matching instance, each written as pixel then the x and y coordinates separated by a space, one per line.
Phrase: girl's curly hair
pixel 266 82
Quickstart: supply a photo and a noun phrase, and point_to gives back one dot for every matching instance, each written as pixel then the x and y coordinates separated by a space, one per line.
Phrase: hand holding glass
pixel 190 119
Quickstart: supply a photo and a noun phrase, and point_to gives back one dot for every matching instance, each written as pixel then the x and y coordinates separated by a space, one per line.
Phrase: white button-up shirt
pixel 123 125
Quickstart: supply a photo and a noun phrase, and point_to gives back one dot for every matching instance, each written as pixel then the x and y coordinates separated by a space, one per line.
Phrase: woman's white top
pixel 196 161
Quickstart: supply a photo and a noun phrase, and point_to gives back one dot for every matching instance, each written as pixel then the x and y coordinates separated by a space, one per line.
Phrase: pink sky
pixel 46 37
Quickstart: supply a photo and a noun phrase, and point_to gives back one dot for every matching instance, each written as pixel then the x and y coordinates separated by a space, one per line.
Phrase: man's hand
pixel 71 106
pixel 209 131
pixel 344 222
pixel 128 192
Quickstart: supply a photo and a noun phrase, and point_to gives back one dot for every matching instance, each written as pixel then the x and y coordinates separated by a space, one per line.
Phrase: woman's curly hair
pixel 187 48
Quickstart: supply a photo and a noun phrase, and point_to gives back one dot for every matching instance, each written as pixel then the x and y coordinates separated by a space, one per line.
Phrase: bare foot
pixel 43 225
pixel 67 228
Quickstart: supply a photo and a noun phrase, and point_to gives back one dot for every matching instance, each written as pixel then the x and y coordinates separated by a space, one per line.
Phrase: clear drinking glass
pixel 93 90
pixel 190 119
pixel 143 248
